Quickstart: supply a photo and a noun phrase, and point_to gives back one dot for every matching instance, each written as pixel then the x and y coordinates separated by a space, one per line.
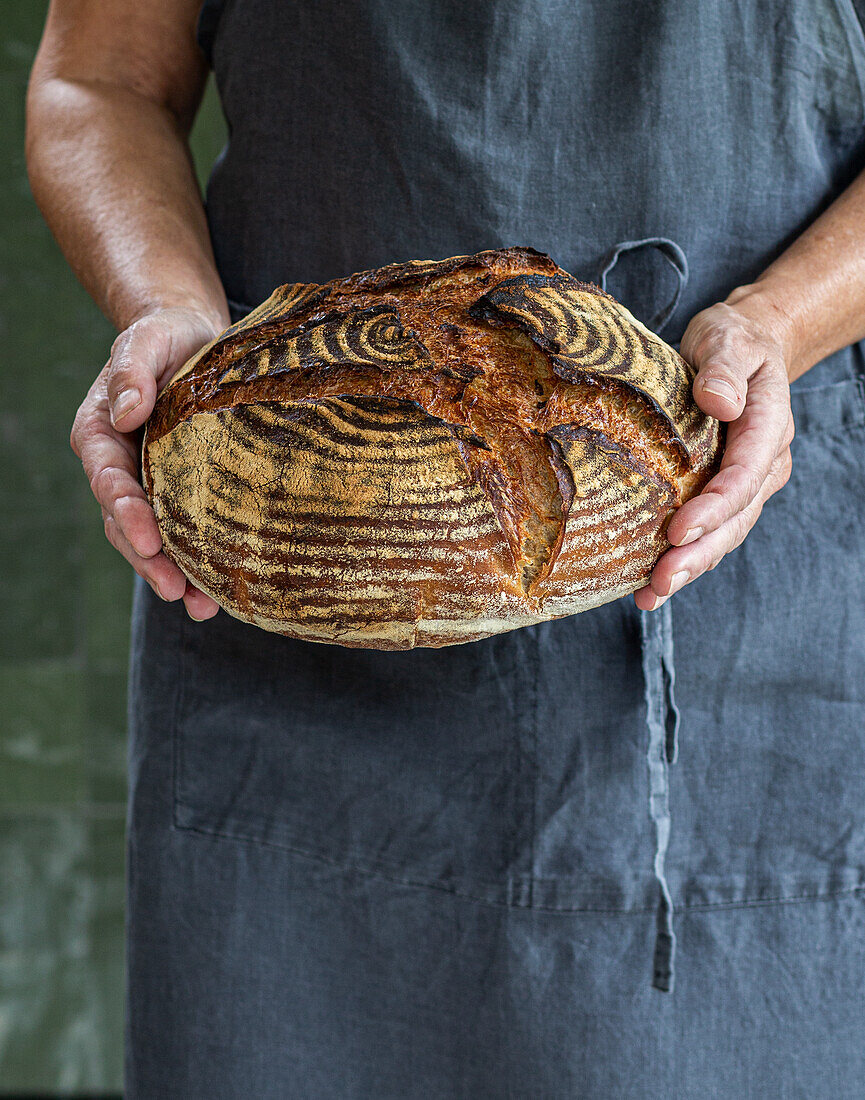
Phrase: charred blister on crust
pixel 393 276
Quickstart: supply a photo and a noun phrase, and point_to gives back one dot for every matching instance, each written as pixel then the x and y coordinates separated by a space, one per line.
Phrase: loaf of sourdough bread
pixel 426 454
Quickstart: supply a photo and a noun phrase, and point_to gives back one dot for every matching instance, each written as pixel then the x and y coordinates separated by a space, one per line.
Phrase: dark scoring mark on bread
pixel 564 434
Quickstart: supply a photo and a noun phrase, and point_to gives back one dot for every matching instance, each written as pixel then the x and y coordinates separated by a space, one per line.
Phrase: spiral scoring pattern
pixel 282 304
pixel 365 338
pixel 361 518
pixel 371 337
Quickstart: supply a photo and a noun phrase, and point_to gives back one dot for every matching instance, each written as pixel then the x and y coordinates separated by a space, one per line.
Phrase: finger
pixel 199 606
pixel 144 357
pixel 135 518
pixel 754 441
pixel 726 358
pixel 725 361
pixel 681 565
pixel 112 472
pixel 137 357
pixel 122 497
pixel 164 581
pixel 163 576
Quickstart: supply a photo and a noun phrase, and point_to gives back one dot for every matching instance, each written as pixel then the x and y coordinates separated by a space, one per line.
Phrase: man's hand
pixel 105 437
pixel 742 378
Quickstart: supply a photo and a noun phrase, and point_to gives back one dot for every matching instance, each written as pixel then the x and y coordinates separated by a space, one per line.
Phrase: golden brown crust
pixel 426 453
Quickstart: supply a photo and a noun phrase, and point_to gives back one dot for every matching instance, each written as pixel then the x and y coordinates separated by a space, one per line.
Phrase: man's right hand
pixel 105 437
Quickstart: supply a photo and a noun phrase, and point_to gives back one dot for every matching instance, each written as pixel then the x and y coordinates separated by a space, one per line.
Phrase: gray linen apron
pixel 617 855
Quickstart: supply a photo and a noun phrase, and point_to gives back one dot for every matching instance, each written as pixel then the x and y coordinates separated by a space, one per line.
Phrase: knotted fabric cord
pixel 656 637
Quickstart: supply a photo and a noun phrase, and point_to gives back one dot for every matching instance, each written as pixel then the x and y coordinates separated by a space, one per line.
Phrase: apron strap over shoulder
pixel 671 252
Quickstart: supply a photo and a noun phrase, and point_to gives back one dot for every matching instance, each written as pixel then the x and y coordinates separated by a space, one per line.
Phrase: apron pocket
pixel 768 795
pixel 408 764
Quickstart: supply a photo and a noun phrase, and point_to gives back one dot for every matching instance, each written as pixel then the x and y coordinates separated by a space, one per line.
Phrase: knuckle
pixel 743 484
pixel 122 502
pixel 78 431
pixel 729 342
pixel 127 353
pixel 779 473
pixel 120 374
pixel 710 335
pixel 735 342
pixel 107 484
pixel 703 341
pixel 716 560
pixel 707 564
pixel 751 483
pixel 117 346
pixel 742 524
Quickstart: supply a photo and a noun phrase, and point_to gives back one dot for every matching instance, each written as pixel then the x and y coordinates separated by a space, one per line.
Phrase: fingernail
pixel 679 580
pixel 194 618
pixel 657 602
pixel 125 403
pixel 691 535
pixel 720 388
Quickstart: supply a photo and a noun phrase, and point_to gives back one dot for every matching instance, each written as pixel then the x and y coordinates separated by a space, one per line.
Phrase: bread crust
pixel 426 453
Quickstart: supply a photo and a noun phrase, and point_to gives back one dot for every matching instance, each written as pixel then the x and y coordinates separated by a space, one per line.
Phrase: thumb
pixel 724 365
pixel 145 356
pixel 720 388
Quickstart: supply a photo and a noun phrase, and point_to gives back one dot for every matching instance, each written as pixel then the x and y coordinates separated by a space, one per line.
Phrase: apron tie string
pixel 662 719
pixel 656 636
pixel 671 252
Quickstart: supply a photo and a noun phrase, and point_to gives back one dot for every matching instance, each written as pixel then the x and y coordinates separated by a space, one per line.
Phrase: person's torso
pixel 513 770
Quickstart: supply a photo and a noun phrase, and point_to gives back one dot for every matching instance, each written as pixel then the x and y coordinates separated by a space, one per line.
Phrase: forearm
pixel 813 296
pixel 113 177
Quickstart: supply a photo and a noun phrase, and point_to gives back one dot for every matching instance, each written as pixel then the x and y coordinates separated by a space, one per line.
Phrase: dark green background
pixel 65 597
